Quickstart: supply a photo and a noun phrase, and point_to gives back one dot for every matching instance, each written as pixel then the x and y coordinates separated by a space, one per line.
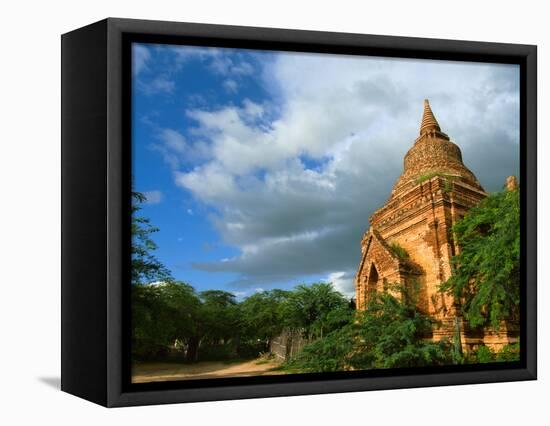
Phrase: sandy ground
pixel 153 372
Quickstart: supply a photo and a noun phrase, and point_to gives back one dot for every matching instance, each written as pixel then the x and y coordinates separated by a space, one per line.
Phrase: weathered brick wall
pixel 381 267
pixel 287 344
pixel 419 220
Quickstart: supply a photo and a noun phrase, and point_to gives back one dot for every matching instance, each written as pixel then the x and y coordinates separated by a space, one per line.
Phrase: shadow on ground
pixel 54 382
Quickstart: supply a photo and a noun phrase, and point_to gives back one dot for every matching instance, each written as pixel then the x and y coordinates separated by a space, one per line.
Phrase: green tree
pixel 316 309
pixel 186 315
pixel 163 314
pixel 394 333
pixel 262 315
pixel 485 275
pixel 145 266
pixel 390 333
pixel 219 315
pixel 152 323
pixel 331 353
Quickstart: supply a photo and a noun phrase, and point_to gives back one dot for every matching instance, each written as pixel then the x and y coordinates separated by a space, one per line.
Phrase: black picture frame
pixel 96 185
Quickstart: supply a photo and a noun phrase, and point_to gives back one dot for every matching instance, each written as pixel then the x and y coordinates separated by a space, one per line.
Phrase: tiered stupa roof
pixel 433 154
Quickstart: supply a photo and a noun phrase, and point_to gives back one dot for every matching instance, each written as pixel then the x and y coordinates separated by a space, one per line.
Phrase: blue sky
pixel 261 168
pixel 166 86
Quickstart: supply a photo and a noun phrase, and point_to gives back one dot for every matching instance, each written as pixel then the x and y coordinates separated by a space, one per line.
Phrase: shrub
pixel 427 176
pixel 390 333
pixel 509 353
pixel 484 355
pixel 486 274
pixel 399 251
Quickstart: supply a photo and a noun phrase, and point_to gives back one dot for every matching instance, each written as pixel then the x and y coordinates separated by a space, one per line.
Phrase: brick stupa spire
pixel 428 119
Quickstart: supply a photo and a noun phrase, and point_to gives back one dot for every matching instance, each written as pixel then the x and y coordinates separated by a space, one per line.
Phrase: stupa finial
pixel 428 120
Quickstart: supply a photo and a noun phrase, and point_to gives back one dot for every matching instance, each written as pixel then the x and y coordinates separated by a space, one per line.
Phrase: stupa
pixel 410 238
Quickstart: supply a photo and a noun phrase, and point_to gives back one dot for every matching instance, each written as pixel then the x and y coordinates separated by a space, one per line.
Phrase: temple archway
pixel 372 281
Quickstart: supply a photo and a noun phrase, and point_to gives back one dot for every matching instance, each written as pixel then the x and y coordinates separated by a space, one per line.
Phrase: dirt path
pixel 152 372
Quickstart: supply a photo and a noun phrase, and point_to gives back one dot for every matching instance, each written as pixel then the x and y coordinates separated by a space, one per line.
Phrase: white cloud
pixel 176 150
pixel 221 61
pixel 223 64
pixel 293 184
pixel 150 85
pixel 252 110
pixel 152 197
pixel 159 84
pixel 140 57
pixel 242 68
pixel 231 86
pixel 173 140
pixel 344 282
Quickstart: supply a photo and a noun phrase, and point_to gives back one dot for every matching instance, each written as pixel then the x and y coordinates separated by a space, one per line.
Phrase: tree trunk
pixel 193 349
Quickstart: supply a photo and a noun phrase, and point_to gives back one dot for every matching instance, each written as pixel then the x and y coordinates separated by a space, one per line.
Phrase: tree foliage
pixel 172 316
pixel 315 309
pixel 164 314
pixel 219 313
pixel 485 275
pixel 145 266
pixel 483 354
pixel 262 315
pixel 390 333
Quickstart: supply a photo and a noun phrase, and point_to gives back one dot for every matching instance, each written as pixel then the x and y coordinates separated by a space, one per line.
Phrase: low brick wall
pixel 287 344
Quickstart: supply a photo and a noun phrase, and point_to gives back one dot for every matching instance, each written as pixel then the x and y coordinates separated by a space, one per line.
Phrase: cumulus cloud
pixel 342 282
pixel 175 149
pixel 294 181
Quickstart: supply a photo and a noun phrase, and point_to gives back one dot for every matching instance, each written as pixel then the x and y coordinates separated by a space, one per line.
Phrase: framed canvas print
pixel 253 212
